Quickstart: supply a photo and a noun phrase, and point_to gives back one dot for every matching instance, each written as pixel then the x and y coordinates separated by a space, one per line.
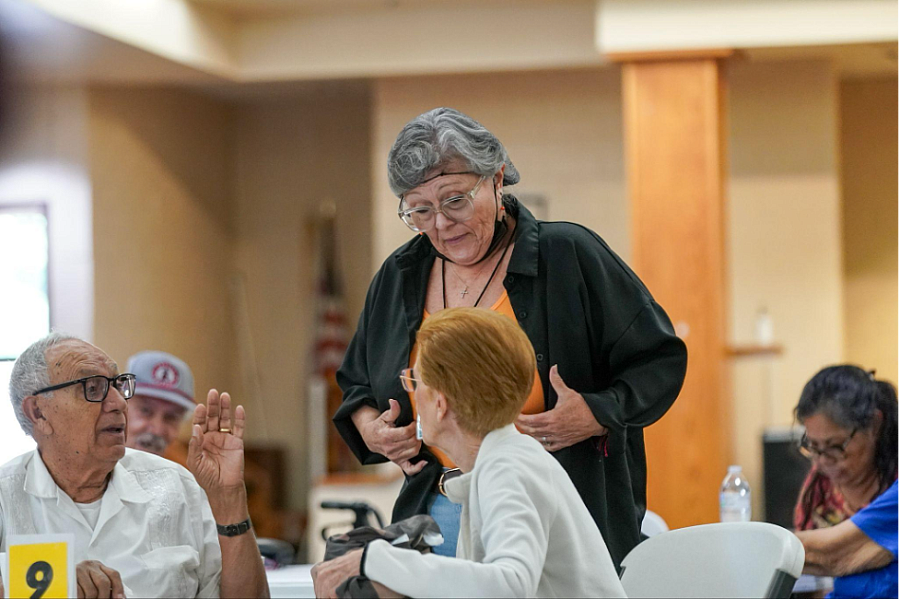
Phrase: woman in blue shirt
pixel 851 436
pixel 861 553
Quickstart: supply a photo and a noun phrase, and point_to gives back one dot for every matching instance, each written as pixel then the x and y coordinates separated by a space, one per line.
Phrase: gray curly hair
pixel 437 137
pixel 30 373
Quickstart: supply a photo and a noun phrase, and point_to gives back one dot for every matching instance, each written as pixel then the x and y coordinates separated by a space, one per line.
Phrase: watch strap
pixel 234 530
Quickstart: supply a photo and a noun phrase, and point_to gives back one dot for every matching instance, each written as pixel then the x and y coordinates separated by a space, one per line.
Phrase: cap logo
pixel 165 374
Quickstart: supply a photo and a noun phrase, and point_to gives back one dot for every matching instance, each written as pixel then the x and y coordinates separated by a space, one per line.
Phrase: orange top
pixel 533 405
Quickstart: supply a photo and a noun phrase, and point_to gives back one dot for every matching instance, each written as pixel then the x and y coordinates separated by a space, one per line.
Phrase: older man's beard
pixel 150 442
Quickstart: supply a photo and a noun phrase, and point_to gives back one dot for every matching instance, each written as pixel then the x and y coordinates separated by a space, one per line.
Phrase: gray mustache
pixel 151 442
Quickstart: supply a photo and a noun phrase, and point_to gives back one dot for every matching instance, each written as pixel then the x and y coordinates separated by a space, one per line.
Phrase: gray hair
pixel 30 373
pixel 437 137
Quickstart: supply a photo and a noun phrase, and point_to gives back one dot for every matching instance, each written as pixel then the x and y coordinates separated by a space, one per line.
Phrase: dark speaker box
pixel 784 470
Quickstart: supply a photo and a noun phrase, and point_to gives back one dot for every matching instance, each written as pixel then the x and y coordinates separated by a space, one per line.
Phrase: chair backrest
pixel 653 524
pixel 730 559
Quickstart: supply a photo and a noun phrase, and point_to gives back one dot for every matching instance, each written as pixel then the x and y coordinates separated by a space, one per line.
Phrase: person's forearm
pixel 821 563
pixel 363 416
pixel 243 574
pixel 816 570
pixel 818 560
pixel 841 550
pixel 361 419
pixel 414 574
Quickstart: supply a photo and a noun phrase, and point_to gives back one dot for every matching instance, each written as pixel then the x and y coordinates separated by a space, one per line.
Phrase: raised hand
pixel 216 450
pixel 569 422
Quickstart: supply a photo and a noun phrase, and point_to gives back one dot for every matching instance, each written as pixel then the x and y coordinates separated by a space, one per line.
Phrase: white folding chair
pixel 653 524
pixel 733 559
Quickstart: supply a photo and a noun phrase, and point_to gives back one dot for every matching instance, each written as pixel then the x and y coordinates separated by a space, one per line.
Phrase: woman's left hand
pixel 569 422
pixel 328 576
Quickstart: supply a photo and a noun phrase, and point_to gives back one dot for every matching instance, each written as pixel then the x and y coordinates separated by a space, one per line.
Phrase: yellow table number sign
pixel 40 566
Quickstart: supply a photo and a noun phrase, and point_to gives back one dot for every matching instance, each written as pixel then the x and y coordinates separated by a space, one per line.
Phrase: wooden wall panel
pixel 673 111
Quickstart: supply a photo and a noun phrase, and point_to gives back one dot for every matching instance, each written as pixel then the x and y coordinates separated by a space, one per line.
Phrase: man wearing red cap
pixel 163 397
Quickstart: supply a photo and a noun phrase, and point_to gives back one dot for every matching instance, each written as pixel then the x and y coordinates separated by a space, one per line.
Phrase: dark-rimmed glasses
pixel 96 387
pixel 410 383
pixel 457 209
pixel 834 452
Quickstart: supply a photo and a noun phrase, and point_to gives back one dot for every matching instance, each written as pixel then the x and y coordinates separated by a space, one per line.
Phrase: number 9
pixel 40 585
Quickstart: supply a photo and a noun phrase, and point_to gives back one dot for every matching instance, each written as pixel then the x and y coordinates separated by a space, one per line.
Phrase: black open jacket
pixel 582 308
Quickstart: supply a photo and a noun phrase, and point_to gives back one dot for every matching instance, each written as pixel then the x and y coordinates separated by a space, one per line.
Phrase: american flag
pixel 329 452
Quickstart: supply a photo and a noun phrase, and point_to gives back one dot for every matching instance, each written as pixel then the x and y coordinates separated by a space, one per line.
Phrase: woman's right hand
pixel 396 443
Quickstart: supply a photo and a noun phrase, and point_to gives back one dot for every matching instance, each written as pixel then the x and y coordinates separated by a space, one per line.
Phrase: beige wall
pixel 869 210
pixel 562 129
pixel 163 243
pixel 44 160
pixel 206 191
pixel 291 156
pixel 783 240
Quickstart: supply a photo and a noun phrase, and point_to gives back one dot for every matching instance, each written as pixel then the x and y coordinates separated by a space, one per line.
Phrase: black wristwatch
pixel 234 530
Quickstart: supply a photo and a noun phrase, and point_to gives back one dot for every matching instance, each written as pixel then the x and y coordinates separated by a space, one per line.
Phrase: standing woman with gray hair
pixel 608 361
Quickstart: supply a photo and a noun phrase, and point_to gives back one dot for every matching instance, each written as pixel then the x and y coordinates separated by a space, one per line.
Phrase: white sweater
pixel 524 532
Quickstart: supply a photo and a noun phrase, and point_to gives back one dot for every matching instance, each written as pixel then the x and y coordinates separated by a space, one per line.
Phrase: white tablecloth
pixel 296 581
pixel 291 581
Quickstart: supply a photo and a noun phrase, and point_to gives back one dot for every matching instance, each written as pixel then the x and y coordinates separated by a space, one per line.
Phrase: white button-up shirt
pixel 155 525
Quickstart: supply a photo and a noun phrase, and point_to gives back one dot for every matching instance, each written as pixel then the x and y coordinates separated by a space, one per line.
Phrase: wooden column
pixel 675 152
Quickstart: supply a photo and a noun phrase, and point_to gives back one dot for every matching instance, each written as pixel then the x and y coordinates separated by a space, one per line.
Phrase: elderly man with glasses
pixel 143 526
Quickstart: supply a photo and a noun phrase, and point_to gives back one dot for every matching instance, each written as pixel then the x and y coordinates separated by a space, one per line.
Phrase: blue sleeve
pixel 879 519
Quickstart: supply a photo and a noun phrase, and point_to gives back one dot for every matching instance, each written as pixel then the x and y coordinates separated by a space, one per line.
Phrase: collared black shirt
pixel 583 309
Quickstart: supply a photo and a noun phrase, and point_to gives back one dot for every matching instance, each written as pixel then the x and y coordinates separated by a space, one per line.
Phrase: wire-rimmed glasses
pixel 458 209
pixel 834 452
pixel 96 387
pixel 410 383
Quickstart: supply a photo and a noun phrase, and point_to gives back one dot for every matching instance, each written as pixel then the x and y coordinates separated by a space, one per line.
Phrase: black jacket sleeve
pixel 353 379
pixel 647 364
pixel 637 363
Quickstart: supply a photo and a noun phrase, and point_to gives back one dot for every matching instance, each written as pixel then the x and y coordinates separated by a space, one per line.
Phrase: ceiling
pixel 851 61
pixel 45 47
pixel 266 8
pixel 40 48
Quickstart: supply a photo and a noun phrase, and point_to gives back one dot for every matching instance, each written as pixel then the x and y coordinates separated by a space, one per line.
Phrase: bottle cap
pixel 732 469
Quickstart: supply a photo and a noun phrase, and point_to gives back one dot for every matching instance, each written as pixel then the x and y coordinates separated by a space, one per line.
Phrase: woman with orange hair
pixel 524 530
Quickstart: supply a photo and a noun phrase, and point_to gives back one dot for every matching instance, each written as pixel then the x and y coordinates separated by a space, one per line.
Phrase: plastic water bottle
pixel 734 497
